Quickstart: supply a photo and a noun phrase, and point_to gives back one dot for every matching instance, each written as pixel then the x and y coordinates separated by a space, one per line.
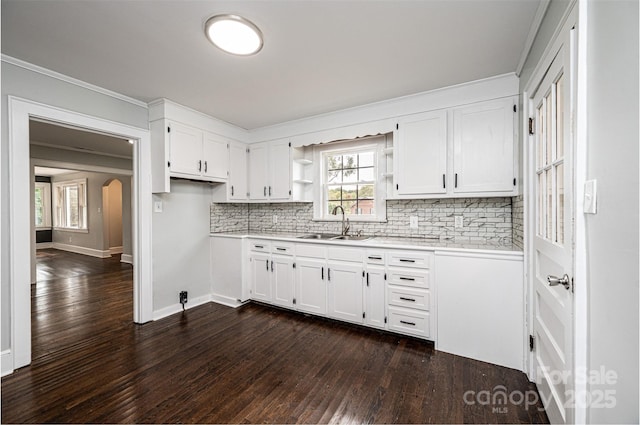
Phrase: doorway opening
pixel 22 237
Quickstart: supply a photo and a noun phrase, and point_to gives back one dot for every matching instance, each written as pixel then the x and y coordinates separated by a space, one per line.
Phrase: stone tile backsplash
pixel 485 219
pixel 518 221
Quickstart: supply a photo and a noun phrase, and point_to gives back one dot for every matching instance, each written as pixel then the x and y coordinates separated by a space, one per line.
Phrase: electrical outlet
pixel 275 219
pixel 183 297
pixel 459 223
pixel 413 222
pixel 157 206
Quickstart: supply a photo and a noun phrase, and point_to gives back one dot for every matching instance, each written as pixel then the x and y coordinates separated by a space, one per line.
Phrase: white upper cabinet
pixel 194 153
pixel 457 152
pixel 483 147
pixel 258 171
pixel 237 187
pixel 421 155
pixel 215 154
pixel 270 170
pixel 185 150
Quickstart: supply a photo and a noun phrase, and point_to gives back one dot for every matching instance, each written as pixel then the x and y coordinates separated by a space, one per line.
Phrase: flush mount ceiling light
pixel 234 34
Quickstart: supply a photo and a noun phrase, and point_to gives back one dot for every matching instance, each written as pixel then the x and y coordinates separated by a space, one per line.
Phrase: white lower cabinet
pixel 260 276
pixel 282 282
pixel 409 287
pixel 374 299
pixel 311 286
pixel 344 291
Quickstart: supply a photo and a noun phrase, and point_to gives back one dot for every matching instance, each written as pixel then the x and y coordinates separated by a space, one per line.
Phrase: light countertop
pixel 389 242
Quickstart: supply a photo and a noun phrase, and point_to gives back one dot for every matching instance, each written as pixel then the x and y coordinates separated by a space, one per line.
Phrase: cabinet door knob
pixel 269 190
pixel 231 190
pixel 265 191
pixel 205 166
pixel 200 165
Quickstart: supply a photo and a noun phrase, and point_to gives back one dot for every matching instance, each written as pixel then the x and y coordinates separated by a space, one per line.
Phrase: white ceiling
pixel 45 134
pixel 318 56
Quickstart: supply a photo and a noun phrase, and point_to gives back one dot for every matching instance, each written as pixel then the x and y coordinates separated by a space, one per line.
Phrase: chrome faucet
pixel 345 226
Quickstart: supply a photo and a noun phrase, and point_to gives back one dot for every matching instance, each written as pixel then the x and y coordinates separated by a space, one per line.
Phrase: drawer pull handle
pixel 374 258
pixel 281 249
pixel 407 299
pixel 407 323
pixel 259 246
pixel 404 260
pixel 406 278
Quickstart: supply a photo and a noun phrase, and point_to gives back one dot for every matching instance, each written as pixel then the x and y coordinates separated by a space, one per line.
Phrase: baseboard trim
pixel 6 360
pixel 126 258
pixel 82 250
pixel 44 245
pixel 177 308
pixel 228 301
pixel 114 250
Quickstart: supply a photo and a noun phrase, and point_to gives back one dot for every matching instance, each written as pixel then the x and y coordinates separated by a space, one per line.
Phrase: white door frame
pixel 20 111
pixel 575 16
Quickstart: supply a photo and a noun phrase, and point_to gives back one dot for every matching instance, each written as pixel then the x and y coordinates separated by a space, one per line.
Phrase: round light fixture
pixel 234 34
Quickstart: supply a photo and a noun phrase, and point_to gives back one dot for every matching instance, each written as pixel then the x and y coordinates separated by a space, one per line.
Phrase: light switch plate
pixel 157 206
pixel 413 222
pixel 275 219
pixel 590 197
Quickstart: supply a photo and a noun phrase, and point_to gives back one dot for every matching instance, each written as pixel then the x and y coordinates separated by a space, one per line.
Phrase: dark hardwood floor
pixel 215 364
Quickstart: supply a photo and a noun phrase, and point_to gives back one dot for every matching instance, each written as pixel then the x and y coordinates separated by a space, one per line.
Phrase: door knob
pixel 555 281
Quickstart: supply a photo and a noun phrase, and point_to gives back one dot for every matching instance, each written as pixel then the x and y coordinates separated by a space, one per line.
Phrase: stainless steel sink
pixel 351 238
pixel 318 236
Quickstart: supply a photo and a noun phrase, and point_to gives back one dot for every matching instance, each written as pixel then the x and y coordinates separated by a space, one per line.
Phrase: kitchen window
pixel 350 179
pixel 70 205
pixel 42 203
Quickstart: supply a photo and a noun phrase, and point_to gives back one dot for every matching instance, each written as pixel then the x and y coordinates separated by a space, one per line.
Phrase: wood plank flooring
pixel 214 364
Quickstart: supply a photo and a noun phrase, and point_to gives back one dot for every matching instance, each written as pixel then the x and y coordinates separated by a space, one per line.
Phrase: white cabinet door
pixel 374 297
pixel 215 156
pixel 483 144
pixel 421 154
pixel 344 283
pixel 279 186
pixel 237 186
pixel 258 171
pixel 282 273
pixel 185 150
pixel 311 287
pixel 260 277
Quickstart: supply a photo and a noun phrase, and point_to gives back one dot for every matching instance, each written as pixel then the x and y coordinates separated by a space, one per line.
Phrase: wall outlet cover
pixel 459 222
pixel 157 206
pixel 590 197
pixel 413 222
pixel 275 219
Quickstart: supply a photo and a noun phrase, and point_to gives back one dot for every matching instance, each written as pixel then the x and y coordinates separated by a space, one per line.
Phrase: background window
pixel 42 205
pixel 350 182
pixel 69 203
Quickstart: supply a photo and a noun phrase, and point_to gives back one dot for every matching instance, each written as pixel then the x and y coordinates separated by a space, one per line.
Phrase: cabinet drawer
pixel 311 250
pixel 283 248
pixel 409 277
pixel 411 298
pixel 423 260
pixel 374 257
pixel 411 322
pixel 260 246
pixel 345 254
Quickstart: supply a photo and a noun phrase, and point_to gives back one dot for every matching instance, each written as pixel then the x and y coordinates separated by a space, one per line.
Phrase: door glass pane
pixel 39 201
pixel 549 201
pixel 540 133
pixel 560 117
pixel 560 204
pixel 548 130
pixel 540 208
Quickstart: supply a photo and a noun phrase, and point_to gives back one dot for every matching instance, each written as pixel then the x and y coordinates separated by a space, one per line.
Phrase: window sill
pixel 43 228
pixel 64 229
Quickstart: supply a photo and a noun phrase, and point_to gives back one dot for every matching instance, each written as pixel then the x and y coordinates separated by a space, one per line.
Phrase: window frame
pixel 375 144
pixel 59 218
pixel 47 206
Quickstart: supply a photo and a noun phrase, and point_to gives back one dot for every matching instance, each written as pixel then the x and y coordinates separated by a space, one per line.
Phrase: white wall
pixel 20 82
pixel 612 234
pixel 95 239
pixel 181 243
